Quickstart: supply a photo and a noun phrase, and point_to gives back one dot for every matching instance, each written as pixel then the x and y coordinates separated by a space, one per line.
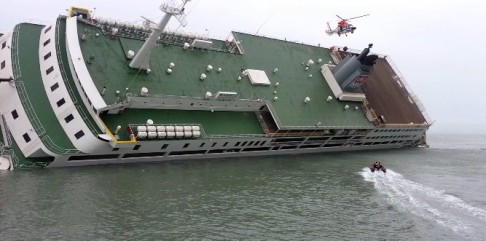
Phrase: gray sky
pixel 438 45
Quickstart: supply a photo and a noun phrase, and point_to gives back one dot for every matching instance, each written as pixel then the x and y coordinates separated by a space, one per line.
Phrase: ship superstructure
pixel 86 91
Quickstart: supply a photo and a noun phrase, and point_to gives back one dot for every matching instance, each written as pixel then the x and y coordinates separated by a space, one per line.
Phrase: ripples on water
pixel 428 203
pixel 308 197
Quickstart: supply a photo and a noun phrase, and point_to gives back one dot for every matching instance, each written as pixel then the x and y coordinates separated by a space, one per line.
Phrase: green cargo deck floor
pixel 109 69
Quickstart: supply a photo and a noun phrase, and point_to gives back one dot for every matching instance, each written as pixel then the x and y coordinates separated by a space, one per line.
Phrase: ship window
pixel 54 86
pixel 256 143
pixel 202 144
pixel 3 64
pixel 47 29
pixel 47 56
pixel 61 102
pixel 49 70
pixel 4 44
pixel 15 115
pixel 251 143
pixel 164 146
pixel 237 143
pixel 263 143
pixel 186 145
pixel 181 153
pixel 214 144
pixel 150 154
pixel 243 144
pixel 79 134
pixel 47 42
pixel 225 144
pixel 92 157
pixel 116 149
pixel 69 118
pixel 136 147
pixel 26 137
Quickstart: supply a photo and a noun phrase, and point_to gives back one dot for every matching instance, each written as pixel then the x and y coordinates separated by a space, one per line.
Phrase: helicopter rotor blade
pixel 359 16
pixel 339 17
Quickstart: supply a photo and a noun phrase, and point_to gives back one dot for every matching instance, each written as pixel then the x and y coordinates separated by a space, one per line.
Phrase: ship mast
pixel 142 58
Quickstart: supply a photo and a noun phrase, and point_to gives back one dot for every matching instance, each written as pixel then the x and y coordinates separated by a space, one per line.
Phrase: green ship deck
pixel 109 69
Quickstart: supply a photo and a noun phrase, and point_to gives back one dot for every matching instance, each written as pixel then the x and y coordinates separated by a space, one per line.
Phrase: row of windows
pixel 194 152
pixel 389 137
pixel 55 86
pixel 398 130
pixel 379 143
pixel 2 65
pixel 251 143
pixel 186 145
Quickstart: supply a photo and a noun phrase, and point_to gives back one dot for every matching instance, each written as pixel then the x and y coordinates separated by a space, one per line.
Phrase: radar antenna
pixel 147 23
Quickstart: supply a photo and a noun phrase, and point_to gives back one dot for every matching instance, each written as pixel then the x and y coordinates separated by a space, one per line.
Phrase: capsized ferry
pixel 86 91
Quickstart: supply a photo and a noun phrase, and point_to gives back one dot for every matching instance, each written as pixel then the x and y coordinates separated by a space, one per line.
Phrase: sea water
pixel 427 194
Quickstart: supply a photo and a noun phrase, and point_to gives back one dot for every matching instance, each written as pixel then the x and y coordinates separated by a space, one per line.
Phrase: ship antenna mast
pixel 170 8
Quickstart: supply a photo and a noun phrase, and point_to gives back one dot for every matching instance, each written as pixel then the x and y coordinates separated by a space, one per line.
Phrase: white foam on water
pixel 426 202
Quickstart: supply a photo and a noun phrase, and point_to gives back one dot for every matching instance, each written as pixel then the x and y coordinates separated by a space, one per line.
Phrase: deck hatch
pixel 258 77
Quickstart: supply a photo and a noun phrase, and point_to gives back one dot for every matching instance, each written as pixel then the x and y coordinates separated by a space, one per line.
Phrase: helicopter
pixel 343 26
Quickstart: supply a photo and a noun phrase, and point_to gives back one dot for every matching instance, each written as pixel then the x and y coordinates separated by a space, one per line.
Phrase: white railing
pixel 278 38
pixel 15 53
pixel 55 148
